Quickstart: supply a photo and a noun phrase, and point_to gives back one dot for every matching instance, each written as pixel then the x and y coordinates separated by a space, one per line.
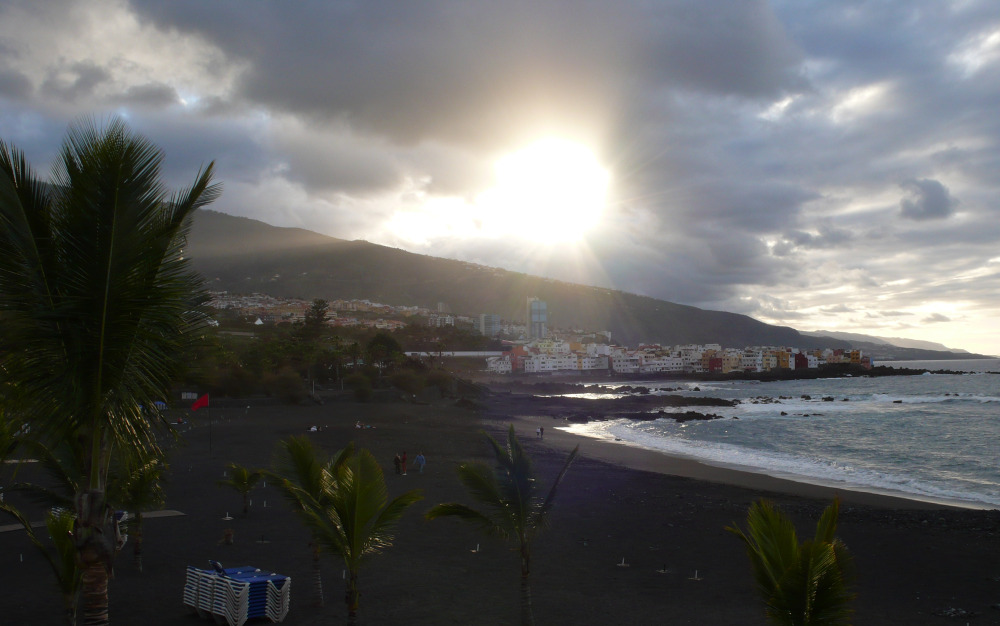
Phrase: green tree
pixel 314 323
pixel 383 351
pixel 351 515
pixel 805 584
pixel 98 302
pixel 514 509
pixel 61 557
pixel 301 476
pixel 243 480
pixel 138 489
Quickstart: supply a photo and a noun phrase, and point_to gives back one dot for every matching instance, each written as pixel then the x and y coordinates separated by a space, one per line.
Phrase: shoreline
pixel 638 458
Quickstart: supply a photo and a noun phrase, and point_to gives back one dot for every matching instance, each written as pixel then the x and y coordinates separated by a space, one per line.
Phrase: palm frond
pixel 468 514
pixel 541 515
pixel 804 584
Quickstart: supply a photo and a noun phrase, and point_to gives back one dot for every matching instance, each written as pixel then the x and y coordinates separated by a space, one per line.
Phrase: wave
pixel 801 469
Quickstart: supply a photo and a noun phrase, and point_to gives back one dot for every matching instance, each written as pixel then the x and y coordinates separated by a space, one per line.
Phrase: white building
pixel 549 363
pixel 649 363
pixel 499 364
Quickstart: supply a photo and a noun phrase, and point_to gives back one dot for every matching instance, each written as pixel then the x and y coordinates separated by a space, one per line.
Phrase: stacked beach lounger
pixel 237 594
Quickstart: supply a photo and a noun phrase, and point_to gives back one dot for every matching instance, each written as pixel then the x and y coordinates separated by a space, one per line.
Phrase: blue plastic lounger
pixel 236 594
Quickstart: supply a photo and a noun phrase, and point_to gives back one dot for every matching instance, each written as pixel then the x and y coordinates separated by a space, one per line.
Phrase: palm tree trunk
pixel 527 618
pixel 353 597
pixel 94 555
pixel 94 580
pixel 69 612
pixel 317 573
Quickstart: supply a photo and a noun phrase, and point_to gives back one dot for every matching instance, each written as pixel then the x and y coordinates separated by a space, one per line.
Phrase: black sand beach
pixel 917 563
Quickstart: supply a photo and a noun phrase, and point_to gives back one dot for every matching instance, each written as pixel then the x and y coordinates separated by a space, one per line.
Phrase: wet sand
pixel 916 562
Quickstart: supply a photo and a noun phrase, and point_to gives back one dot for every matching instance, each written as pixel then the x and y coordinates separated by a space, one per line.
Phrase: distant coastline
pixel 833 370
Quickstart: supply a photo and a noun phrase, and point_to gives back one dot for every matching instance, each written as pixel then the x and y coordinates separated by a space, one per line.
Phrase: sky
pixel 820 165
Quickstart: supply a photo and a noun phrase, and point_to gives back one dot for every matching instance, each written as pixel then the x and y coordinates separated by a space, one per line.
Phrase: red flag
pixel 200 402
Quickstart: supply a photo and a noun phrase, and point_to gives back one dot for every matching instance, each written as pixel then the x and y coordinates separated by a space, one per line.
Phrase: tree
pixel 315 320
pixel 805 584
pixel 514 511
pixel 350 514
pixel 242 480
pixel 138 489
pixel 299 474
pixel 383 351
pixel 61 557
pixel 98 303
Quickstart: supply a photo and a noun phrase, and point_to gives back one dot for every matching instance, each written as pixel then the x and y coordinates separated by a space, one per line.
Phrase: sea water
pixel 932 437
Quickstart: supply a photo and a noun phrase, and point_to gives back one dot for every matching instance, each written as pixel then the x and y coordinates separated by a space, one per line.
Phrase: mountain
pixel 242 255
pixel 899 342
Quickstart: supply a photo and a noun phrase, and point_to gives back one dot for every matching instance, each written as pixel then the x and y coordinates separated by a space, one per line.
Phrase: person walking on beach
pixel 538 433
pixel 397 462
pixel 541 432
pixel 402 461
pixel 420 461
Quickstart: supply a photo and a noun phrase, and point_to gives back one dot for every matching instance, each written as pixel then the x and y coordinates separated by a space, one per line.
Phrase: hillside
pixel 243 256
pixel 899 342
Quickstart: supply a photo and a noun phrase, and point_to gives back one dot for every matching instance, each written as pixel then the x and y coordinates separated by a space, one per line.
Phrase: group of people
pixel 399 462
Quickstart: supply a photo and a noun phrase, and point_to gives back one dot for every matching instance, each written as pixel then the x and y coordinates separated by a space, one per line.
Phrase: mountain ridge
pixel 244 255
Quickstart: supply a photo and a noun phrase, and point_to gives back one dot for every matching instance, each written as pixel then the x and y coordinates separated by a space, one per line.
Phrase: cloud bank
pixel 822 166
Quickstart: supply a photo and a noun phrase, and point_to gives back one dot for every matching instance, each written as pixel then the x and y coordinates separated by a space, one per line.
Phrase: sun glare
pixel 553 190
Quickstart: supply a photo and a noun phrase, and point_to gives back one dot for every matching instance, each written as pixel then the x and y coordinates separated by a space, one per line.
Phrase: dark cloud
pixel 482 71
pixel 154 95
pixel 15 85
pixel 926 199
pixel 77 81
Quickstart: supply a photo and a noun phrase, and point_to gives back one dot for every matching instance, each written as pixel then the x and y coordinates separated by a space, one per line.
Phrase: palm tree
pixel 138 489
pixel 299 474
pixel 98 303
pixel 61 558
pixel 805 584
pixel 352 516
pixel 514 511
pixel 242 480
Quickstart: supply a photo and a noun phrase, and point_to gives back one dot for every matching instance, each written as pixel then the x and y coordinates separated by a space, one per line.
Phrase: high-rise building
pixel 489 324
pixel 538 319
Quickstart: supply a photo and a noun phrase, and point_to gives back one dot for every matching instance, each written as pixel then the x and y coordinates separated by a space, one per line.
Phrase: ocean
pixel 931 437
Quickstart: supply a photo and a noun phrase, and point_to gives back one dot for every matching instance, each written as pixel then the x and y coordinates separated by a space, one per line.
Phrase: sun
pixel 550 191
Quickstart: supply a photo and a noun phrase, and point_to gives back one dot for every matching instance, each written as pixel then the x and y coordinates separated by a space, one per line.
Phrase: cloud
pixel 154 95
pixel 926 199
pixel 755 148
pixel 14 85
pixel 77 81
pixel 935 318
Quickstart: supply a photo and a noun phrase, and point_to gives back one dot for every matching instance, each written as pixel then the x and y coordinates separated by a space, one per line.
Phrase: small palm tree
pixel 242 480
pixel 299 474
pixel 514 509
pixel 352 517
pixel 805 584
pixel 137 490
pixel 61 557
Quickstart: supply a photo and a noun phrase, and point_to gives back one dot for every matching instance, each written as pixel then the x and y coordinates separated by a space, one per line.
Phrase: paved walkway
pixel 145 515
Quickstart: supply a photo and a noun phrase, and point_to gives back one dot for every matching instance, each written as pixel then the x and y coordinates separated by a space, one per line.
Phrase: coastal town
pixel 534 347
